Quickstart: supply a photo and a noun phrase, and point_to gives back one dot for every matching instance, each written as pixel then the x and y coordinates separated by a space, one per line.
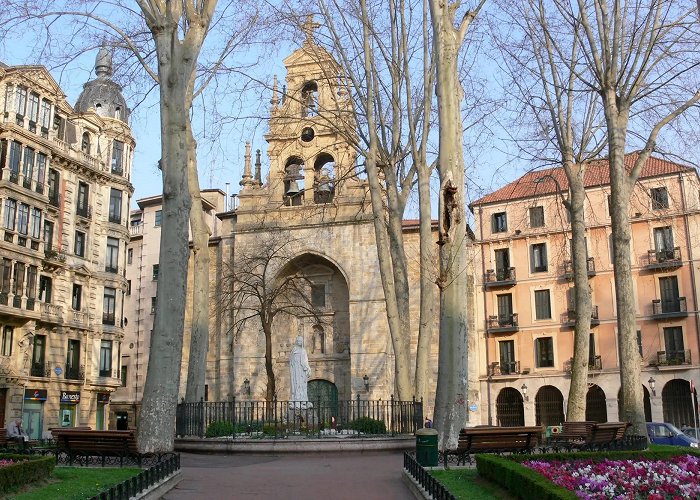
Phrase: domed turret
pixel 103 94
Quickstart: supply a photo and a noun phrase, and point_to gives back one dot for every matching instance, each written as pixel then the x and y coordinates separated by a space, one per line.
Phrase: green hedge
pixel 526 483
pixel 368 425
pixel 28 469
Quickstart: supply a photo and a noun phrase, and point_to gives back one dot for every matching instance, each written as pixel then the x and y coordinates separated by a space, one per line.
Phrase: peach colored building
pixel 525 301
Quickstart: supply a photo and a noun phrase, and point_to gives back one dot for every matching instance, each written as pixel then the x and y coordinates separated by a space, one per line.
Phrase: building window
pixel 499 222
pixel 109 306
pixel 48 236
pixel 106 358
pixel 10 210
pixel 38 356
pixel 40 172
pixel 538 258
pixel 73 360
pixel 15 154
pixel 18 284
pixel 318 295
pixel 124 375
pixel 23 219
pixel 670 298
pixel 663 242
pixel 54 179
pixel 28 168
pixel 507 357
pixel 45 115
pixel 155 272
pixel 6 275
pixel 129 255
pixel 639 343
pixel 543 308
pixel 21 101
pixel 117 157
pixel 505 309
pixel 33 109
pixel 112 258
pixel 153 305
pixel 309 99
pixel 32 273
pixel 77 296
pixel 675 347
pixel 128 287
pixel 79 244
pixel 115 206
pixel 537 217
pixel 85 143
pixel 45 288
pixel 159 218
pixel 544 352
pixel 36 223
pixel 83 196
pixel 7 333
pixel 659 198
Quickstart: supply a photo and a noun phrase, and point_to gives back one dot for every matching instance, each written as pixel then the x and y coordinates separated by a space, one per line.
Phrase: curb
pixel 294 446
pixel 416 489
pixel 158 490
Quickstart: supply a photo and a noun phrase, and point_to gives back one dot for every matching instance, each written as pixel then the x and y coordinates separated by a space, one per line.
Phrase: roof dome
pixel 103 94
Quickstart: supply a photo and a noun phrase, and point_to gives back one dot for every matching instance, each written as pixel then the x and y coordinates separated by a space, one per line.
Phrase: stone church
pixel 314 206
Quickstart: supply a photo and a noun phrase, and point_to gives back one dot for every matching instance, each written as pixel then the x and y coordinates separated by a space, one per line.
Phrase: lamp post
pixel 523 388
pixel 365 379
pixel 652 385
pixel 246 387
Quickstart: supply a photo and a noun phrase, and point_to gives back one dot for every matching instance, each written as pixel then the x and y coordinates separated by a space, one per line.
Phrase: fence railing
pixel 279 419
pixel 131 487
pixel 434 488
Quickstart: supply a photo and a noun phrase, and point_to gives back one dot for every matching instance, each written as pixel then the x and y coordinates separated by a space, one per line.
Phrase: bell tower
pixel 310 137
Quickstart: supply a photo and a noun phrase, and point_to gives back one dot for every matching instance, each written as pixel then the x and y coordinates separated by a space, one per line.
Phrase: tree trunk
pixel 427 285
pixel 621 191
pixel 576 408
pixel 451 397
pixel 157 417
pixel 271 390
pixel 199 333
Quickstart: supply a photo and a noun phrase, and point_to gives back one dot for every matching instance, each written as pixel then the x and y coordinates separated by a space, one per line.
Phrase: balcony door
pixel 663 241
pixel 507 353
pixel 505 309
pixel 675 348
pixel 669 294
pixel 502 264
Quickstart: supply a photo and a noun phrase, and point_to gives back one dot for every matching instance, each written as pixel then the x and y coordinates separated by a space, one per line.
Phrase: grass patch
pixel 467 484
pixel 75 483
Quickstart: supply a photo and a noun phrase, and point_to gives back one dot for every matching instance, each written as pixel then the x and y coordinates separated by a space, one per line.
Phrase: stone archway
pixel 647 405
pixel 596 408
pixel 509 408
pixel 678 403
pixel 324 324
pixel 549 406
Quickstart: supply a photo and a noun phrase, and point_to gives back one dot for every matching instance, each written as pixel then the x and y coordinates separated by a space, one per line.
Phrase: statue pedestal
pixel 301 412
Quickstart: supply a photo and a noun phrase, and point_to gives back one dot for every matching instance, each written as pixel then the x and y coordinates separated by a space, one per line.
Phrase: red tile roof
pixel 553 180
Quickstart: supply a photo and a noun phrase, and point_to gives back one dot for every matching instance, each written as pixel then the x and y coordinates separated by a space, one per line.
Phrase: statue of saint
pixel 299 371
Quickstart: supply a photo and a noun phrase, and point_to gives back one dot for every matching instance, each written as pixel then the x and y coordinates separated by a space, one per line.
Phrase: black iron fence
pixel 162 469
pixel 280 419
pixel 434 488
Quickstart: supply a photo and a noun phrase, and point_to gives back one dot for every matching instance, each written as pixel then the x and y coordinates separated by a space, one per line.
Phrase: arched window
pixel 85 143
pixel 309 99
pixel 596 409
pixel 294 182
pixel 509 408
pixel 549 406
pixel 324 184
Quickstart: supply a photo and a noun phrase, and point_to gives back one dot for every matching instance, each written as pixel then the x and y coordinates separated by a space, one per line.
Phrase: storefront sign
pixel 103 397
pixel 70 396
pixel 35 394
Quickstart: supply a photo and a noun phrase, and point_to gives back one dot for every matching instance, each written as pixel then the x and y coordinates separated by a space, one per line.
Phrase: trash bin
pixel 427 447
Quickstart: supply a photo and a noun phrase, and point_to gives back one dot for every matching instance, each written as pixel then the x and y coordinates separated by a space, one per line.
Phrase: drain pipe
pixel 691 259
pixel 486 319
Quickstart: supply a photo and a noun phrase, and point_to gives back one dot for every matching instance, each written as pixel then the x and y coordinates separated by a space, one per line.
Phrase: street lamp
pixel 365 379
pixel 523 388
pixel 652 385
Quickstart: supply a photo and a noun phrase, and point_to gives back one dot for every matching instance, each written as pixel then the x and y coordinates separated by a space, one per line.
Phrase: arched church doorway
pixel 509 408
pixel 323 394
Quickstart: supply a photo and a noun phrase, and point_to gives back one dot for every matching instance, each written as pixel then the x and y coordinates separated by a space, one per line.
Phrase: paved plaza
pixel 365 476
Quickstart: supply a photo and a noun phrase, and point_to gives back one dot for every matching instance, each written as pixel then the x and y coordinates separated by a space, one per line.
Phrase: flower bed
pixel 624 479
pixel 23 469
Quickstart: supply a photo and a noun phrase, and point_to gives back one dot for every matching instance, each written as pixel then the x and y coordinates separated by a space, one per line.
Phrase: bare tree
pixel 167 39
pixel 542 61
pixel 262 282
pixel 451 396
pixel 640 60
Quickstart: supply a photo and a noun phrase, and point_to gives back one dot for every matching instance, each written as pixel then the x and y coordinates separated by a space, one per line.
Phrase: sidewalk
pixel 364 476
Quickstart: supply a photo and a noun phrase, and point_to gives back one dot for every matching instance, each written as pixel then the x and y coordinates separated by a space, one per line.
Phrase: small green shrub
pixel 219 428
pixel 28 469
pixel 368 425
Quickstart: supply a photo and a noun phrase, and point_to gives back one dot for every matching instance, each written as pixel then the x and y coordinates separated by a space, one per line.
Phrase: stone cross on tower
pixel 309 27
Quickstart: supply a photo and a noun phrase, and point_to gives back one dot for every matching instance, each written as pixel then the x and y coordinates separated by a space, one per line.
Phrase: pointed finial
pixel 247 176
pixel 309 27
pixel 258 174
pixel 103 63
pixel 275 97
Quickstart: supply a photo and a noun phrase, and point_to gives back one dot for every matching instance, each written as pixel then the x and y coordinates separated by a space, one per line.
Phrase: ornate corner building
pixel 64 196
